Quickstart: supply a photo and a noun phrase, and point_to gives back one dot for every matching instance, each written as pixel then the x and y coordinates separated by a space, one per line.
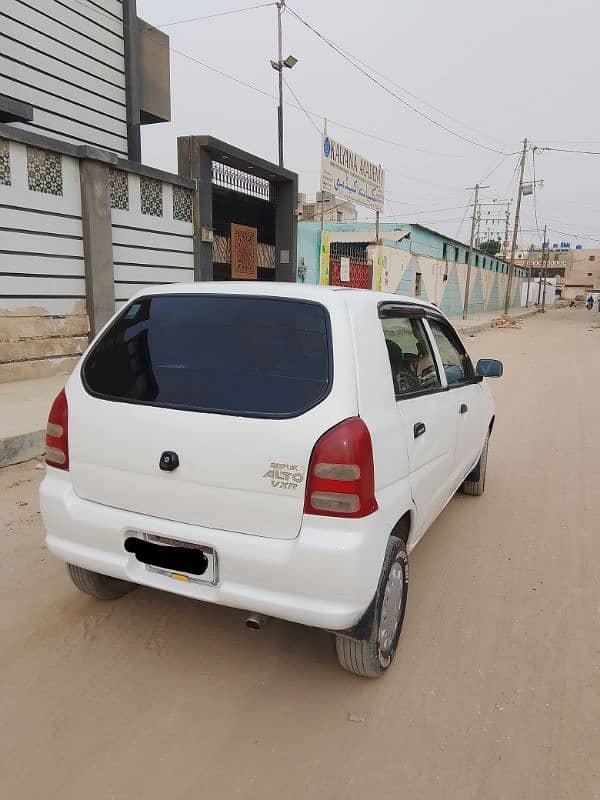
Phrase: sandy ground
pixel 495 692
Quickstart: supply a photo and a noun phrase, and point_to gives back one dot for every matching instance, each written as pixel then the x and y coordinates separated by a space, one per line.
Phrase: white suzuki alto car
pixel 272 447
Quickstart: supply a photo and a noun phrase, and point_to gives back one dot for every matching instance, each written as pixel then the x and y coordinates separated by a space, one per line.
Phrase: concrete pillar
pixel 195 162
pixel 285 196
pixel 97 243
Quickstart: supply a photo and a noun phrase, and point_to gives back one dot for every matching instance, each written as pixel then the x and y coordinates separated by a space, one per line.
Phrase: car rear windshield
pixel 246 356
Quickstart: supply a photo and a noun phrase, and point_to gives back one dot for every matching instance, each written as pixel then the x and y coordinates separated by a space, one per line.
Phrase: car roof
pixel 328 295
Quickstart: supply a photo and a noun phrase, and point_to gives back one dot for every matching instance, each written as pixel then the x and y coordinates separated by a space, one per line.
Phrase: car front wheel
pixel 372 656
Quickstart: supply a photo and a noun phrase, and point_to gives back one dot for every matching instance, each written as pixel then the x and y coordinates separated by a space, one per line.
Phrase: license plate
pixel 173 570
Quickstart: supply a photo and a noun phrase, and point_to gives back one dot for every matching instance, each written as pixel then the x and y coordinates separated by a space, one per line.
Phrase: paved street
pixel 495 692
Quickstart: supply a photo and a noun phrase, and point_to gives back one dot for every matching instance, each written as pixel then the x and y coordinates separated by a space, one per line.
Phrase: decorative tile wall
pixel 151 196
pixel 44 171
pixel 182 204
pixel 4 163
pixel 119 189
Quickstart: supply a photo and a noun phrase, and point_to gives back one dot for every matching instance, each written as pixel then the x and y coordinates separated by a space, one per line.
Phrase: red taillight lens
pixel 57 433
pixel 341 480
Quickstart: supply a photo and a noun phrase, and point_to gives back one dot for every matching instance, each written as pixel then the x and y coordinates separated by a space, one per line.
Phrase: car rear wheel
pixel 100 586
pixel 475 483
pixel 372 656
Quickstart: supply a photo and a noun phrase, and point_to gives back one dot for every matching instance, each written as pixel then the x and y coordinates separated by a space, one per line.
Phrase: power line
pixel 308 116
pixel 566 150
pixel 213 16
pixel 385 88
pixel 411 94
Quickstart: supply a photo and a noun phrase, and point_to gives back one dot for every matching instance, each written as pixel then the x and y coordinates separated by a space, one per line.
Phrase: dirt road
pixel 495 693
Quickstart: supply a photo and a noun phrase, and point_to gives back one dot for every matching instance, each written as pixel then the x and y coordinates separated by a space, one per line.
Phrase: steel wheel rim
pixel 391 610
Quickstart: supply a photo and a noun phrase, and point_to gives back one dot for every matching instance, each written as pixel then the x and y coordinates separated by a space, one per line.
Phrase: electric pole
pixel 506 229
pixel 539 296
pixel 545 263
pixel 511 266
pixel 474 218
pixel 280 7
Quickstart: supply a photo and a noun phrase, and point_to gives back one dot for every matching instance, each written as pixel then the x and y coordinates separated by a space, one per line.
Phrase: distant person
pixel 589 303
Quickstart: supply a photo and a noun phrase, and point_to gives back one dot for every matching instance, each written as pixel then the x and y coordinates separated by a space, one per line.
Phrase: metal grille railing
pixel 239 181
pixel 355 250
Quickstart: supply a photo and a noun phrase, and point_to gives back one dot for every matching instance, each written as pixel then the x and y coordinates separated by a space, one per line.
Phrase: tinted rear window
pixel 248 356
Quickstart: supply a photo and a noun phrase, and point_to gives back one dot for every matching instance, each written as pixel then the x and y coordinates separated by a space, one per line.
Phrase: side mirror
pixel 489 368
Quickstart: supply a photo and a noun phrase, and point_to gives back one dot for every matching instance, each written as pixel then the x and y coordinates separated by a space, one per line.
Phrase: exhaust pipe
pixel 256 622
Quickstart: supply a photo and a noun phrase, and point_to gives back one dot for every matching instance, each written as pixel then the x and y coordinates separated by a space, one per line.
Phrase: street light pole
pixel 280 7
pixel 511 267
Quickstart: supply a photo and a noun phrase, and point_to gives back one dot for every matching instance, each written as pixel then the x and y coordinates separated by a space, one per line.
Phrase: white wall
pixel 67 60
pixel 147 249
pixel 43 321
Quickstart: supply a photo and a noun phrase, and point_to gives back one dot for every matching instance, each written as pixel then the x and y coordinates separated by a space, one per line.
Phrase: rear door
pixel 239 387
pixel 427 413
pixel 466 395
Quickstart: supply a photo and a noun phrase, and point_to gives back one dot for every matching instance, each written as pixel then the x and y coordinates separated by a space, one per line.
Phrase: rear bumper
pixel 325 578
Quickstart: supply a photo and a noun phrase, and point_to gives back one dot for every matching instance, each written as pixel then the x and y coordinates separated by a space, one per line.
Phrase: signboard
pixel 244 253
pixel 348 175
pixel 324 258
pixel 345 269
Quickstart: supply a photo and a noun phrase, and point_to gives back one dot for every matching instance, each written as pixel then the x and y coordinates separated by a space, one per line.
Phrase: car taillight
pixel 57 433
pixel 341 480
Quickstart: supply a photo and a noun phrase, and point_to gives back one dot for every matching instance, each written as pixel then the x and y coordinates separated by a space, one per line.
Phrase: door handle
pixel 464 408
pixel 419 429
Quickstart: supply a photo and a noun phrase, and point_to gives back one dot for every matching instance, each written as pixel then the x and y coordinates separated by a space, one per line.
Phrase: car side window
pixel 457 364
pixel 411 358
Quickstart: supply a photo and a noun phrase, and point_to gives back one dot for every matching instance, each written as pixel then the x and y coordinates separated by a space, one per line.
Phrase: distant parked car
pixel 272 447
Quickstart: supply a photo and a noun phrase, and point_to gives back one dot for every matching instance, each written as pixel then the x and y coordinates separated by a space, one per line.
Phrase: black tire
pixel 100 586
pixel 371 657
pixel 476 487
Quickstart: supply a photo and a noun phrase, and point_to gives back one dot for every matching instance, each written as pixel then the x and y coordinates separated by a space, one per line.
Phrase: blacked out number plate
pixel 179 560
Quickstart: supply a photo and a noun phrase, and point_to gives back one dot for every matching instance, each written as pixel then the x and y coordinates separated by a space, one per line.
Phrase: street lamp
pixel 278 65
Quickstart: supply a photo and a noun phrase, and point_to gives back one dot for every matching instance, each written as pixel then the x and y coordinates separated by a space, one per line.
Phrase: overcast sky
pixel 493 73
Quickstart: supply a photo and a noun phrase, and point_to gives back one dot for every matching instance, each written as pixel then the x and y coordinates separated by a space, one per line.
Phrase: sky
pixel 489 73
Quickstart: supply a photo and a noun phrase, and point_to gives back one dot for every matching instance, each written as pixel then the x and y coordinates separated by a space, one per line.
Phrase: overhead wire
pixel 213 16
pixel 386 89
pixel 411 94
pixel 307 115
pixel 567 150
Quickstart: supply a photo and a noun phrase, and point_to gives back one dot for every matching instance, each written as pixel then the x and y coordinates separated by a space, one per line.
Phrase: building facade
pixel 328 207
pixel 84 224
pixel 411 260
pixel 577 270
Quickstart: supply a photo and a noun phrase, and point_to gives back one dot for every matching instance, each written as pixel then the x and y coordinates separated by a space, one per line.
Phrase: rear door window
pixel 245 356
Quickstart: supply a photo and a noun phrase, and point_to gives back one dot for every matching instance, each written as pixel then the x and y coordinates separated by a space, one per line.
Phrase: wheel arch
pixel 402 529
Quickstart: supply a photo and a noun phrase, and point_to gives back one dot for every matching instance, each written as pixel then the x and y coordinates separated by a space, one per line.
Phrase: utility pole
pixel 545 261
pixel 475 188
pixel 478 236
pixel 322 193
pixel 511 267
pixel 280 7
pixel 506 229
pixel 539 294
